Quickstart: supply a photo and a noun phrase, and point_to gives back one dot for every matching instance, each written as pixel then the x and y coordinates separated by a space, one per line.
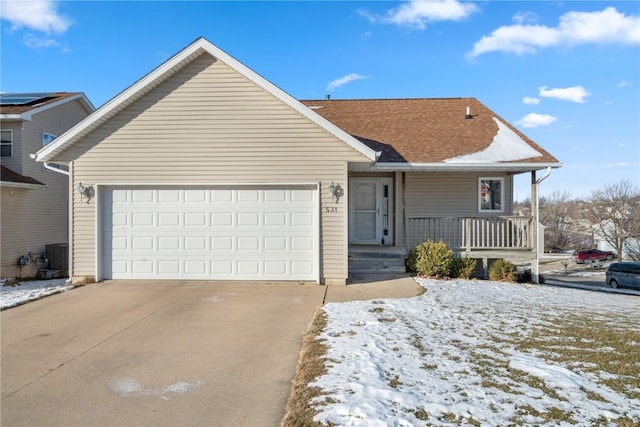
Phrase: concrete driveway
pixel 131 353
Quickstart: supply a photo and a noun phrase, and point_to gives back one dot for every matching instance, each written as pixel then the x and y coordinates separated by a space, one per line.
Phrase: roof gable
pixel 433 131
pixel 166 70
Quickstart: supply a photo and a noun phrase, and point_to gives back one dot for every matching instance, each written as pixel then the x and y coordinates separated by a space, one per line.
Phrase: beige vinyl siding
pixel 208 124
pixel 35 217
pixel 449 194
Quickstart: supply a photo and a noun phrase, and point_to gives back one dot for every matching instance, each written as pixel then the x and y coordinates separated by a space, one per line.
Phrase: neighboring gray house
pixel 35 201
pixel 203 169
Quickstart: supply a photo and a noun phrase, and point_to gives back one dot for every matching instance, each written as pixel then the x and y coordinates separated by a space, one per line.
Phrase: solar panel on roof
pixel 22 98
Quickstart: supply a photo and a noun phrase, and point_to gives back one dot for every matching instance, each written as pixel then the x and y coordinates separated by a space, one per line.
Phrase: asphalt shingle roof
pixel 8 175
pixel 423 130
pixel 19 109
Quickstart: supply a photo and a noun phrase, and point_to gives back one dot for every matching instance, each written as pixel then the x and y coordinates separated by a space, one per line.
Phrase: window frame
pixel 3 144
pixel 49 141
pixel 502 191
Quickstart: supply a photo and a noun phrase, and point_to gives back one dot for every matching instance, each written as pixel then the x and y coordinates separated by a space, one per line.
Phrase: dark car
pixel 587 255
pixel 624 274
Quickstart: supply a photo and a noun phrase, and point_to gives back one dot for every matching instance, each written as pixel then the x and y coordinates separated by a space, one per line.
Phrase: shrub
pixel 463 267
pixel 503 270
pixel 430 259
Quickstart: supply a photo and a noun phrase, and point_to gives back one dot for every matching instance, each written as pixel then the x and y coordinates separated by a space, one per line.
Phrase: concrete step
pixel 367 262
pixel 379 269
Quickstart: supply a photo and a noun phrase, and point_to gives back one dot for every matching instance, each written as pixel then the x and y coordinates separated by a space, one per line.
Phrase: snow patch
pixel 506 146
pixel 130 387
pixel 446 354
pixel 23 292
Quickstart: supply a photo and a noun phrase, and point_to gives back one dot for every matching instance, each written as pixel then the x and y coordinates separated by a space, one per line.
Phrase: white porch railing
pixel 496 233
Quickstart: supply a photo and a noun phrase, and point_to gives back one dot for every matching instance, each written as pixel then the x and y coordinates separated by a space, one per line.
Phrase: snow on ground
pixel 450 356
pixel 13 295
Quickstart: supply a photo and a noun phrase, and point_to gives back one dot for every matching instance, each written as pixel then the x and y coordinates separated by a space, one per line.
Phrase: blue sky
pixel 566 73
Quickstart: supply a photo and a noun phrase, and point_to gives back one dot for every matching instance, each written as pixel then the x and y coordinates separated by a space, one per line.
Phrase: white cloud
pixel 534 120
pixel 623 83
pixel 416 13
pixel 38 15
pixel 344 80
pixel 530 101
pixel 37 43
pixel 573 94
pixel 575 28
pixel 525 18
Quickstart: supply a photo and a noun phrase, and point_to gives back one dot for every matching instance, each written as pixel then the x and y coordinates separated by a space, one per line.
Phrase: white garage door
pixel 236 233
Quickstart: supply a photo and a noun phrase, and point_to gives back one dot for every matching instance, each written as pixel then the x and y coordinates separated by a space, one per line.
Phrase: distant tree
pixel 632 248
pixel 555 215
pixel 614 211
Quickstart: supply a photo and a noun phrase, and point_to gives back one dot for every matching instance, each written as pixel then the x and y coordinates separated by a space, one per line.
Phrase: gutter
pixel 49 167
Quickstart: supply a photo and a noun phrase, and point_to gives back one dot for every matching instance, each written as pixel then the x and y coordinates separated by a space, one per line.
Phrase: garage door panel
pixel 210 233
pixel 301 268
pixel 222 219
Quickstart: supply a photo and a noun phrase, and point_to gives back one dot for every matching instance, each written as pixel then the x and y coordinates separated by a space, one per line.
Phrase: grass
pixel 592 344
pixel 299 411
pixel 607 348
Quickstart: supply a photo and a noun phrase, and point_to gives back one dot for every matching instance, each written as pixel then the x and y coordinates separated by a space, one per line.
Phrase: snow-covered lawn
pixel 482 353
pixel 12 295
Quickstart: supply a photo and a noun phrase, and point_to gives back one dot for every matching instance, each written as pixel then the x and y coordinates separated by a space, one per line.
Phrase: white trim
pixel 204 184
pixel 178 61
pixel 502 191
pixel 99 253
pixel 70 222
pixel 454 167
pixel 11 184
pixel 318 231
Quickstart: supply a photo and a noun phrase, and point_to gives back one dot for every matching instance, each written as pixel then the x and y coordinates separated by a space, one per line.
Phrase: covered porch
pixel 393 212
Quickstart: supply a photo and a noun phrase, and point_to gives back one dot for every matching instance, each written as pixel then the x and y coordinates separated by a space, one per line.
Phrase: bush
pixel 430 259
pixel 463 267
pixel 503 270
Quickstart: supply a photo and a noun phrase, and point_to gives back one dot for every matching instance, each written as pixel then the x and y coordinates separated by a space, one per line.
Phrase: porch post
pixel 535 264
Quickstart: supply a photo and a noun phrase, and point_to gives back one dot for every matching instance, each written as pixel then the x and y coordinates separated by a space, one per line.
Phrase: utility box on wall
pixel 58 256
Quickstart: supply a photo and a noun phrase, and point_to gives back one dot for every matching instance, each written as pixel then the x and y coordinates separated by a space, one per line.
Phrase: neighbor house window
pixel 47 139
pixel 491 194
pixel 6 143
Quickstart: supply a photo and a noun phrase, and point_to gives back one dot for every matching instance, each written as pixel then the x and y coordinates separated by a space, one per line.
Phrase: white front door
pixel 370 211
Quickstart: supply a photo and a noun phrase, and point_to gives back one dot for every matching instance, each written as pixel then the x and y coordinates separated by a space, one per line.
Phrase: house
pixel 203 169
pixel 34 204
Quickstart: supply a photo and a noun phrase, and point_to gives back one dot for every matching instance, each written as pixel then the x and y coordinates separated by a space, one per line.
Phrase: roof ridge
pixel 389 99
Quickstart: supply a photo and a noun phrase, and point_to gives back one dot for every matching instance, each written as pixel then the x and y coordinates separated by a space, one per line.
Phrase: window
pixel 6 143
pixel 47 139
pixel 491 194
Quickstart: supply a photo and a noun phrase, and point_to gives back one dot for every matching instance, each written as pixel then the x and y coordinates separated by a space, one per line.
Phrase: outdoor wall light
pixel 87 191
pixel 336 191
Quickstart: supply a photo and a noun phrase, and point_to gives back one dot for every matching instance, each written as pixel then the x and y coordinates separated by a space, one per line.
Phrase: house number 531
pixel 331 209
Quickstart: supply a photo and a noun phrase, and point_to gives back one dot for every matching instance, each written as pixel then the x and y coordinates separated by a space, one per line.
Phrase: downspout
pixel 69 210
pixel 535 268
